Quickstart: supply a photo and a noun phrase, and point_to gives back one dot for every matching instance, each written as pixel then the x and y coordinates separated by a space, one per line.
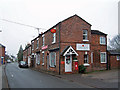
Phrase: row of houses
pixel 72 44
pixel 2 54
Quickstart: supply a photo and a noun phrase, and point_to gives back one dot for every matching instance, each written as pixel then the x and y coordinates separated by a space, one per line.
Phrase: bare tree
pixel 115 43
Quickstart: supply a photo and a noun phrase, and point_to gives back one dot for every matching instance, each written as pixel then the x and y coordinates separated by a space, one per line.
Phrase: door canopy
pixel 69 51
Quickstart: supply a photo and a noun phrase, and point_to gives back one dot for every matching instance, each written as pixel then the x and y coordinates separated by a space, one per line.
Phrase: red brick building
pixel 73 44
pixel 114 59
pixel 2 54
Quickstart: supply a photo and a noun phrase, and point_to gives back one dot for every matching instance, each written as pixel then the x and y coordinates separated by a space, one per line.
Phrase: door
pixel 68 63
pixel 48 62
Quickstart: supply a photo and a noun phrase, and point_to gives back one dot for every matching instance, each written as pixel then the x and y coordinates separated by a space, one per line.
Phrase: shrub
pixel 82 69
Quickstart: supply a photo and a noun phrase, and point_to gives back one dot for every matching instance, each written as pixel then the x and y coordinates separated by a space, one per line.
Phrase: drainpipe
pixel 59 47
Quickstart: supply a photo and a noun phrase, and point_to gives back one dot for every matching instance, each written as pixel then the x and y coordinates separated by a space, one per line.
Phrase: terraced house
pixel 2 54
pixel 73 44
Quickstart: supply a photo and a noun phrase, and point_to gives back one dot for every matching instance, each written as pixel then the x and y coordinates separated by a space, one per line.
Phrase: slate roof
pixel 2 45
pixel 97 32
pixel 64 50
pixel 114 52
pixel 60 23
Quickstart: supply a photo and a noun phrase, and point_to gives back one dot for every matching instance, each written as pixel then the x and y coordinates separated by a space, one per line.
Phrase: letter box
pixel 76 65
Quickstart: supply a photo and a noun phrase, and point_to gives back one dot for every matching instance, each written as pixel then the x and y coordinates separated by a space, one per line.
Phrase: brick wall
pixel 114 63
pixel 96 48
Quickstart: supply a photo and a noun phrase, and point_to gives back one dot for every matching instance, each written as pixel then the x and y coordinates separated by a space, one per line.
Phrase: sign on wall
pixel 44 47
pixel 83 47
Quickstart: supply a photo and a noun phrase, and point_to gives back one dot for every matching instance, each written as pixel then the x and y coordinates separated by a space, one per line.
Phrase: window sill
pixel 86 64
pixel 42 64
pixel 102 43
pixel 103 62
pixel 53 42
pixel 86 40
pixel 53 66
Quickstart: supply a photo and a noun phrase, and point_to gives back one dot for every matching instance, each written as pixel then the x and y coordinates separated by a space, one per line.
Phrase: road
pixel 27 78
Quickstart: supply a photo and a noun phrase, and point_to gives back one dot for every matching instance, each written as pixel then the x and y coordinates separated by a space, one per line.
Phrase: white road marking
pixel 12 75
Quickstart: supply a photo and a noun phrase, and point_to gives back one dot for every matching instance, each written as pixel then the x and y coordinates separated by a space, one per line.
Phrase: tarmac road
pixel 27 78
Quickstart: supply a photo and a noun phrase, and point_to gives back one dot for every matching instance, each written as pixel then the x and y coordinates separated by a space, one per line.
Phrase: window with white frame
pixel 85 59
pixel 103 57
pixel 43 55
pixel 52 59
pixel 37 44
pixel 43 40
pixel 54 38
pixel 91 57
pixel 30 50
pixel 37 58
pixel 33 45
pixel 118 57
pixel 102 40
pixel 85 35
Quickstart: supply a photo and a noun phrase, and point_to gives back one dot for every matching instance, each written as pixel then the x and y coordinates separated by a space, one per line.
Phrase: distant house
pixel 2 54
pixel 27 54
pixel 114 59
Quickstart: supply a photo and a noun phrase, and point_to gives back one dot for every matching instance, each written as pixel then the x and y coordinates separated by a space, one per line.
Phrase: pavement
pixel 99 79
pixel 3 78
pixel 0 77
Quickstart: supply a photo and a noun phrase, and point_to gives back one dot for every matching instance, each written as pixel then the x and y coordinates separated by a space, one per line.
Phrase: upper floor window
pixel 118 57
pixel 103 57
pixel 43 40
pixel 43 55
pixel 102 40
pixel 54 38
pixel 85 35
pixel 33 45
pixel 37 44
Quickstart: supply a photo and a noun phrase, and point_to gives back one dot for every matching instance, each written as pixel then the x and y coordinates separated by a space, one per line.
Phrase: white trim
pixel 86 40
pixel 54 38
pixel 43 51
pixel 86 64
pixel 42 64
pixel 43 35
pixel 118 57
pixel 68 50
pixel 91 57
pixel 105 57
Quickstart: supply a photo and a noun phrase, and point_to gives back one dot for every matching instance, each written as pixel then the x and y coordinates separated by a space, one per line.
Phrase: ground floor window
pixel 118 57
pixel 85 59
pixel 38 59
pixel 103 57
pixel 52 59
pixel 91 57
pixel 43 55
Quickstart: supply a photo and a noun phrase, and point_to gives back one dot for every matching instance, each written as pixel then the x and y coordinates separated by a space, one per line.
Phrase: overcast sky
pixel 102 14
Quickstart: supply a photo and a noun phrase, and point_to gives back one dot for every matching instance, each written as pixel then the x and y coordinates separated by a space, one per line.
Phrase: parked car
pixel 8 61
pixel 23 64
